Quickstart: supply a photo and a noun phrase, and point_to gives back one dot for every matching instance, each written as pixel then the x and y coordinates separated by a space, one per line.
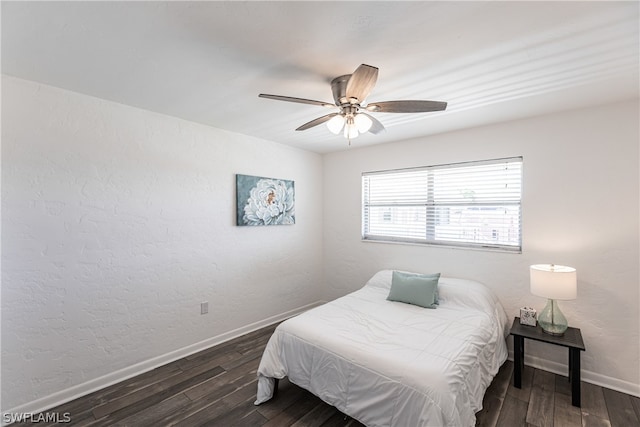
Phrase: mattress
pixel 388 363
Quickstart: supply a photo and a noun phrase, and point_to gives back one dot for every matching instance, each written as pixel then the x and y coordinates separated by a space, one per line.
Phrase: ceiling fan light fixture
pixel 363 123
pixel 351 130
pixel 335 124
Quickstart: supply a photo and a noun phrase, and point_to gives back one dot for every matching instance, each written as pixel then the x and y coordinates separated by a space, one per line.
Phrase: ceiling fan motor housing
pixel 339 89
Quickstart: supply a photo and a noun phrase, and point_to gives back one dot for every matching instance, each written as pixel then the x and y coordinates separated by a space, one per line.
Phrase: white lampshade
pixel 335 124
pixel 556 282
pixel 363 123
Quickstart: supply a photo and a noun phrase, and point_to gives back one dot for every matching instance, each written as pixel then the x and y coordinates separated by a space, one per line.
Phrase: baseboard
pixel 585 375
pixel 71 393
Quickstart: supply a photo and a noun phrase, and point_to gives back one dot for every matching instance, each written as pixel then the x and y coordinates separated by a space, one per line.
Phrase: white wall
pixel 117 223
pixel 580 208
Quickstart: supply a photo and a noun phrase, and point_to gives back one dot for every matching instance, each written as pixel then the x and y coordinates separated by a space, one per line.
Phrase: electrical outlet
pixel 204 307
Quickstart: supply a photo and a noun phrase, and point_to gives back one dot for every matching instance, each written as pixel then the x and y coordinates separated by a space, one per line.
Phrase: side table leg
pixel 574 374
pixel 570 377
pixel 518 356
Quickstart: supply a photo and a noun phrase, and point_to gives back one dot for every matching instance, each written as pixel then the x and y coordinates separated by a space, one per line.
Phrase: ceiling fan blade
pixel 406 106
pixel 298 100
pixel 376 127
pixel 361 82
pixel 318 121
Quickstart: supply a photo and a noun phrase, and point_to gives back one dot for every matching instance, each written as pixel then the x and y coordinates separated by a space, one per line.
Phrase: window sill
pixel 446 246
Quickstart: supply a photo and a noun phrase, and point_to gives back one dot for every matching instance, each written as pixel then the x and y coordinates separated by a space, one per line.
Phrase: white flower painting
pixel 264 201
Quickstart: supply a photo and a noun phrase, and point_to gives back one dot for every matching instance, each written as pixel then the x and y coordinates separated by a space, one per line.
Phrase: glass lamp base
pixel 552 320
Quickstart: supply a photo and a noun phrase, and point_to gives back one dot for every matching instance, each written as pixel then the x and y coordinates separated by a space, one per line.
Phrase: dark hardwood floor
pixel 217 387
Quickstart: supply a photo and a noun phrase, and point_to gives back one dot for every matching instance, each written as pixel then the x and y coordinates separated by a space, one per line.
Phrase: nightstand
pixel 572 339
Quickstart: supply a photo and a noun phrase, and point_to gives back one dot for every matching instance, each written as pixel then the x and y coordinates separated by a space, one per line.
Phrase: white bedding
pixel 393 364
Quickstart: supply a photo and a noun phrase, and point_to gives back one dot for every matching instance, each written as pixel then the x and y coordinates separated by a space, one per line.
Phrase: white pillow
pixel 382 280
pixel 466 293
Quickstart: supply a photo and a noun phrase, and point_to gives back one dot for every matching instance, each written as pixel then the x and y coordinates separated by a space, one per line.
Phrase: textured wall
pixel 118 222
pixel 580 208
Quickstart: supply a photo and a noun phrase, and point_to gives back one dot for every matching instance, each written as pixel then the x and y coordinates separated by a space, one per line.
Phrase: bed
pixel 388 363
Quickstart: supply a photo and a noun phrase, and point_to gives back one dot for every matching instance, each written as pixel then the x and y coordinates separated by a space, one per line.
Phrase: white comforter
pixel 392 364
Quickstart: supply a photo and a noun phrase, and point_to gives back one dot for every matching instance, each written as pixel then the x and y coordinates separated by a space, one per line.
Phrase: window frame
pixel 431 206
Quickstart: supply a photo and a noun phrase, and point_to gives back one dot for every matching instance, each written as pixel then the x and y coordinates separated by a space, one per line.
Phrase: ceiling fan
pixel 349 93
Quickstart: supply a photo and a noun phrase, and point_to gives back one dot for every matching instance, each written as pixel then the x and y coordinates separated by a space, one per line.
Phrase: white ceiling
pixel 207 61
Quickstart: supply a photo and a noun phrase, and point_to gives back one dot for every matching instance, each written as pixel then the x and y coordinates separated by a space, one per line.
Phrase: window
pixel 474 204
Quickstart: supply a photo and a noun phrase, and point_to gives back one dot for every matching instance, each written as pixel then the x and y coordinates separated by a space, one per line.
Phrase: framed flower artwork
pixel 264 201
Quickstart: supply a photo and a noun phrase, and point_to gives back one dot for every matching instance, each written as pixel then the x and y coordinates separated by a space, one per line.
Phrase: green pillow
pixel 414 289
pixel 428 276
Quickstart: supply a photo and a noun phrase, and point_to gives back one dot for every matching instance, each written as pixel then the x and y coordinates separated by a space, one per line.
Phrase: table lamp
pixel 555 282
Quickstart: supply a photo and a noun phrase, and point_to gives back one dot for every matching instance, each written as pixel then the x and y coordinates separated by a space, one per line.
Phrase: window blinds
pixel 475 204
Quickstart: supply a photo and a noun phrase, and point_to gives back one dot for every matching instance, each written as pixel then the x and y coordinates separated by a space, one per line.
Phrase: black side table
pixel 572 339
